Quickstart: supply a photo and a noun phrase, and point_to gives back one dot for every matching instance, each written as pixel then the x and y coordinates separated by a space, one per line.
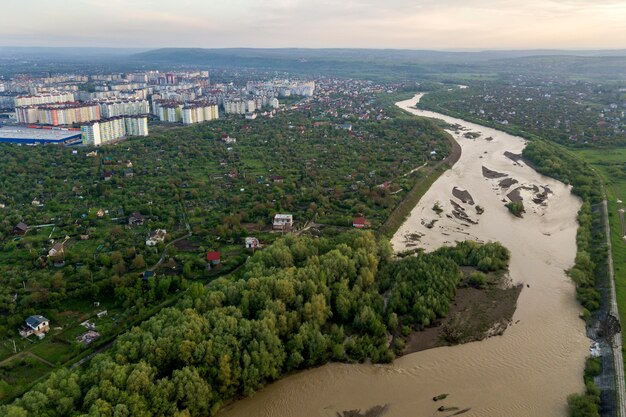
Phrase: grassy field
pixel 18 373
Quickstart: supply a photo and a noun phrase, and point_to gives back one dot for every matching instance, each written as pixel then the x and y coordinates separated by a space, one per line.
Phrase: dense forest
pixel 300 303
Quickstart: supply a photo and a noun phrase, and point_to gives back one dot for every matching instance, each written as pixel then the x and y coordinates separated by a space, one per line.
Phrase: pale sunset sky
pixel 411 24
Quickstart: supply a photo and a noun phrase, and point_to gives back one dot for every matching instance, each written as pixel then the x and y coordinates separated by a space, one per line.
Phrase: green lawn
pixel 54 351
pixel 19 374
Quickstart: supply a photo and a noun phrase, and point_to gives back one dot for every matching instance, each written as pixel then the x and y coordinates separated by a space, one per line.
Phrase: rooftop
pixel 34 321
pixel 19 134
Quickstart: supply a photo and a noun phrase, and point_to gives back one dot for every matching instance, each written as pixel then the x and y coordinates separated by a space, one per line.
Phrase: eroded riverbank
pixel 530 370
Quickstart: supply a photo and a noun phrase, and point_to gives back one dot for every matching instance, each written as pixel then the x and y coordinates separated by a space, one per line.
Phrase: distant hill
pixel 196 55
pixel 66 52
pixel 379 64
pixel 402 63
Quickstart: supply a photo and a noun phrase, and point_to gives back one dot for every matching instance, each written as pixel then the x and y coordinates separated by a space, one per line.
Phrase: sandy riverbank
pixel 530 370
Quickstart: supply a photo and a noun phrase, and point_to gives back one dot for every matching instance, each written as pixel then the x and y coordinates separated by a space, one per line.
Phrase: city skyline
pixel 422 24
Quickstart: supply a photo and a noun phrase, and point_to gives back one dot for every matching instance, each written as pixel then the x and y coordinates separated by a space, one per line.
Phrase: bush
pixel 516 208
pixel 478 280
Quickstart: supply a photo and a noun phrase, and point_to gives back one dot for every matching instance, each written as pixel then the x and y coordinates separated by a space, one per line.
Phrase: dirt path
pixel 26 353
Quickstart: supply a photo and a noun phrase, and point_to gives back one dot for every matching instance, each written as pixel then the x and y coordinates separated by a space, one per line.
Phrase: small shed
pixel 20 229
pixel 213 258
pixel 252 243
pixel 361 223
pixel 136 219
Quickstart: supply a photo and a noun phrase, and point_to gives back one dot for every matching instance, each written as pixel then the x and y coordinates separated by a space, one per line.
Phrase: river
pixel 528 371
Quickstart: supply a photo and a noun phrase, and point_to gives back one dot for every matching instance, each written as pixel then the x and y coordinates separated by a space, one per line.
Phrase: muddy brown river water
pixel 528 371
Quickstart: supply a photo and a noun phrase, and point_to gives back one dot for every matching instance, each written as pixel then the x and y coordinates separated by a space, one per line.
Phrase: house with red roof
pixel 213 258
pixel 361 223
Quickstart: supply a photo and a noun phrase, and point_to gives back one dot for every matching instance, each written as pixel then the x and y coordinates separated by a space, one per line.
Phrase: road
pixel 618 359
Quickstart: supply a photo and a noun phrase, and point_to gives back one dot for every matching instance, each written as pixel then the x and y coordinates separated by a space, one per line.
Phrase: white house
pixel 283 221
pixel 252 243
pixel 37 325
pixel 156 237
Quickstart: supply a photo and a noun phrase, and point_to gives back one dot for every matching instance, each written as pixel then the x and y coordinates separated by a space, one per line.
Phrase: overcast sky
pixel 414 24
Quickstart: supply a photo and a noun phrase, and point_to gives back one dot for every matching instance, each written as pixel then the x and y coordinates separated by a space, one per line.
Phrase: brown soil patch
pixel 507 182
pixel 376 411
pixel 492 175
pixel 186 246
pixel 471 135
pixel 513 156
pixel 463 195
pixel 474 315
pixel 516 195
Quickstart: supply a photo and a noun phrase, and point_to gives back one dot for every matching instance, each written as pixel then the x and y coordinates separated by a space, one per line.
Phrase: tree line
pixel 300 303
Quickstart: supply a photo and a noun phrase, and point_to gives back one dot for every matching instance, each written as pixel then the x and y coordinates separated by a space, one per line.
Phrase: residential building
pixel 252 243
pixel 156 237
pixel 20 229
pixel 197 112
pixel 43 99
pixel 129 107
pixel 57 250
pixel 37 325
pixel 136 219
pixel 107 130
pixel 213 258
pixel 283 222
pixel 58 113
pixel 361 223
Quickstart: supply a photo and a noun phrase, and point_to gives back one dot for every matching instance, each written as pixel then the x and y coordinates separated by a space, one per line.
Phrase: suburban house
pixel 277 179
pixel 213 258
pixel 156 237
pixel 57 250
pixel 228 140
pixel 136 219
pixel 107 175
pixel 361 223
pixel 100 213
pixel 20 229
pixel 252 243
pixel 37 325
pixel 128 173
pixel 283 222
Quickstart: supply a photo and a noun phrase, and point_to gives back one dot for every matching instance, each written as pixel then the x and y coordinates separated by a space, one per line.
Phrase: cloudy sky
pixel 414 24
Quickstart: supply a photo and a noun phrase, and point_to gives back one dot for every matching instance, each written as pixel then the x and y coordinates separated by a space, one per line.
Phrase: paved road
pixel 617 339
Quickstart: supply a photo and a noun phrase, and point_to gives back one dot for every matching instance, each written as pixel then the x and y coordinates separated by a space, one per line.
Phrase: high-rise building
pixel 113 108
pixel 107 130
pixel 43 99
pixel 198 112
pixel 58 113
